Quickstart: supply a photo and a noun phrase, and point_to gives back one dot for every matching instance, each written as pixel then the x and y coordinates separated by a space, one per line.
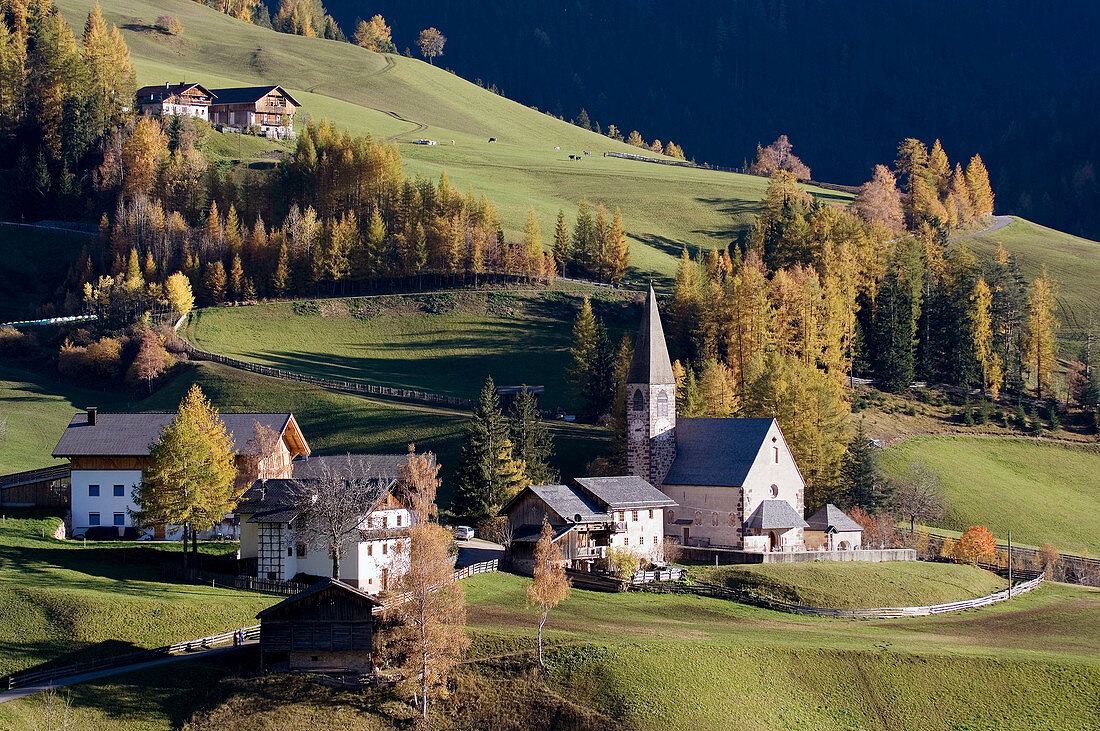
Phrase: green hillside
pixel 1044 492
pixel 857 585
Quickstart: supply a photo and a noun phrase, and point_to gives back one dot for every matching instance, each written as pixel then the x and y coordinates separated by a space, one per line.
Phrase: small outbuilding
pixel 327 628
pixel 830 529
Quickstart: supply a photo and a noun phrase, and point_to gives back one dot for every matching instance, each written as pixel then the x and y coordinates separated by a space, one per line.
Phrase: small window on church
pixel 638 400
pixel 776 450
pixel 672 516
pixel 733 519
pixel 775 491
pixel 714 520
pixel 698 517
pixel 662 405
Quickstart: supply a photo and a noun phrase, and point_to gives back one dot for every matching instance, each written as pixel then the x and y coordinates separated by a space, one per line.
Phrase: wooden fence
pixel 25 678
pixel 230 581
pixel 478 568
pixel 749 597
pixel 406 394
pixel 672 573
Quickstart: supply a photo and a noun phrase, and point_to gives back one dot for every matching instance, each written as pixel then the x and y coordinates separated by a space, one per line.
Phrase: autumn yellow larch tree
pixel 1040 344
pixel 142 156
pixel 549 585
pixel 981 193
pixel 374 35
pixel 981 332
pixel 618 249
pixel 880 200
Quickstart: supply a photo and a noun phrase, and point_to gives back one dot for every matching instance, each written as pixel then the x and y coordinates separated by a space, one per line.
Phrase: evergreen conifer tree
pixel 483 475
pixel 861 480
pixel 532 442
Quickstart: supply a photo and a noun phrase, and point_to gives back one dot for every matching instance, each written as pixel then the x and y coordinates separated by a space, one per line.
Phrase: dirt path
pixel 999 222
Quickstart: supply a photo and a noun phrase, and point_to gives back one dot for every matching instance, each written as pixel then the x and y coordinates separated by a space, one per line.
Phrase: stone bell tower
pixel 650 401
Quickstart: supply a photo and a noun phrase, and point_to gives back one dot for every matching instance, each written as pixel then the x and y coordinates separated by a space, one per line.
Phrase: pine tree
pixel 619 250
pixel 236 277
pixel 532 243
pixel 583 349
pixel 532 442
pixel 280 280
pixel 214 281
pixel 481 478
pixel 862 483
pixel 1040 344
pixel 583 253
pixel 880 201
pixel 896 311
pixel 111 72
pixel 636 140
pixel 939 169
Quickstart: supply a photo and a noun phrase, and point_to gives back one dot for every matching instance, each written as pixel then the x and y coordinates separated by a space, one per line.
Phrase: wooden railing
pixel 25 678
pixel 229 581
pixel 749 597
pixel 478 568
pixel 672 573
pixel 42 474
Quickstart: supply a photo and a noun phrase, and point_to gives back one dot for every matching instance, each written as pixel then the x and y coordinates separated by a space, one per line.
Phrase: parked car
pixel 464 532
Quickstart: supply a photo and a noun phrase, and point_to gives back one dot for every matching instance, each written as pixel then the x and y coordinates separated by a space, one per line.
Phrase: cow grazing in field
pixel 492 139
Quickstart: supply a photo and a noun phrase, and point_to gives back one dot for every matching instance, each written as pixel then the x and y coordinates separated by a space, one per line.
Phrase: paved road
pixel 11 695
pixel 477 551
pixel 999 222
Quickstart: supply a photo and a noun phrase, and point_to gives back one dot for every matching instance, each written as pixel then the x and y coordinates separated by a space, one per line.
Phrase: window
pixel 698 517
pixel 733 519
pixel 385 521
pixel 639 400
pixel 370 581
pixel 672 516
pixel 93 490
pixel 776 450
pixel 385 549
pixel 290 550
pixel 301 550
pixel 641 540
pixel 120 490
pixel 651 513
pixel 93 518
pixel 620 516
pixel 370 549
pixel 398 518
pixel 634 515
pixel 714 519
pixel 662 405
pixel 654 540
pixel 120 518
pixel 774 491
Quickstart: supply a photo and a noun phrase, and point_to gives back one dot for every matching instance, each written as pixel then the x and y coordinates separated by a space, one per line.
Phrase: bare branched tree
pixel 336 501
pixel 917 496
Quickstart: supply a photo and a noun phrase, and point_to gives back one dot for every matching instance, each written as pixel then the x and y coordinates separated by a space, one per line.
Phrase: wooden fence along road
pixel 721 592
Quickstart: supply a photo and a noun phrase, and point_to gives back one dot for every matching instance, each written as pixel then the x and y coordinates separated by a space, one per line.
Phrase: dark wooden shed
pixel 328 628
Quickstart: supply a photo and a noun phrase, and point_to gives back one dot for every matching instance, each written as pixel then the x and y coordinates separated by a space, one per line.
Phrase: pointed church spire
pixel 651 363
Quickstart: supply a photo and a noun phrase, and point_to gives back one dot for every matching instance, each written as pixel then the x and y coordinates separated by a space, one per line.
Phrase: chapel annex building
pixel 735 481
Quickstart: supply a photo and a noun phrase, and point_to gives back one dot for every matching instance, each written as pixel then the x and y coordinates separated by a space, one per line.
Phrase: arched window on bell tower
pixel 638 400
pixel 662 405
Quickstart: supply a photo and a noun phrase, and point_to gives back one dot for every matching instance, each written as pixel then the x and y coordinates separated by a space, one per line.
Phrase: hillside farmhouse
pixel 192 100
pixel 735 480
pixel 270 108
pixel 109 454
pixel 588 519
pixel 327 628
pixel 271 511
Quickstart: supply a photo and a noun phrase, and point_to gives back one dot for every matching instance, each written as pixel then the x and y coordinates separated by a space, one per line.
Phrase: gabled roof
pixel 532 533
pixel 157 93
pixel 624 492
pixel 650 363
pixel 131 435
pixel 248 94
pixel 832 517
pixel 317 588
pixel 383 465
pixel 271 501
pixel 569 504
pixel 717 452
pixel 774 514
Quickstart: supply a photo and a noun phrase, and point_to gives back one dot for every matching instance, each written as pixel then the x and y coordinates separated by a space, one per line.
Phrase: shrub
pixel 1049 556
pixel 673 550
pixel 1053 415
pixel 14 343
pixel 101 359
pixel 622 562
pixel 496 529
pixel 1021 417
pixel 976 544
pixel 983 412
pixel 1036 423
pixel 169 25
pixel 947 548
pixel 968 416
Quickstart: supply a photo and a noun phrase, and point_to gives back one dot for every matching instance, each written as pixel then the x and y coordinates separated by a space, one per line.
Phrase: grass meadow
pixel 1042 491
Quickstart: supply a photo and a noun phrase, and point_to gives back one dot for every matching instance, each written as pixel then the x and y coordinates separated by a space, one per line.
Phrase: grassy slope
pixel 858 585
pixel 1042 491
pixel 515 337
pixel 60 601
pixel 663 207
pixel 38 409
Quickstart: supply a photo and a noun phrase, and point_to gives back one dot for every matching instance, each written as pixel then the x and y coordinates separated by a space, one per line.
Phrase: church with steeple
pixel 735 481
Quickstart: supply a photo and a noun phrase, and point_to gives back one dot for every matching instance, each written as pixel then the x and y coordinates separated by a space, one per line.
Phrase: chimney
pixel 92 412
pixel 167 85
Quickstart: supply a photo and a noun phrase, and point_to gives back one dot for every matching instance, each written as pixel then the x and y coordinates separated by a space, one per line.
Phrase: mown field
pixel 38 408
pixel 857 585
pixel 658 661
pixel 1044 492
pixel 444 343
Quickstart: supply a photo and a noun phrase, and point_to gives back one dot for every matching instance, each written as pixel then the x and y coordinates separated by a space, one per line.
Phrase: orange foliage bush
pixel 976 544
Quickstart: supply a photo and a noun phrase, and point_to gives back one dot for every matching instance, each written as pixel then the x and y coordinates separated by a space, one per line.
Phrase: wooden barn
pixel 328 628
pixel 270 108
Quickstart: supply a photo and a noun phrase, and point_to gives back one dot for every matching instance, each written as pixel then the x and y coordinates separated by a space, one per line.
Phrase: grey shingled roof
pixel 130 435
pixel 624 492
pixel 160 92
pixel 382 465
pixel 833 517
pixel 270 501
pixel 246 94
pixel 717 452
pixel 569 503
pixel 532 533
pixel 774 514
pixel 650 363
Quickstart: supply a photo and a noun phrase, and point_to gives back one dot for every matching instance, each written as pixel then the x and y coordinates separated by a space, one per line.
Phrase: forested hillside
pixel 845 80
